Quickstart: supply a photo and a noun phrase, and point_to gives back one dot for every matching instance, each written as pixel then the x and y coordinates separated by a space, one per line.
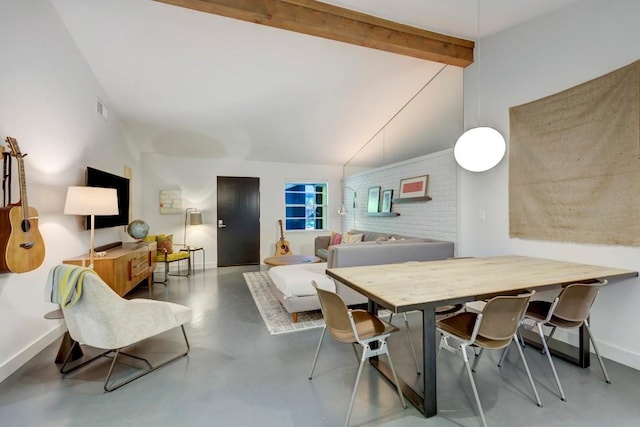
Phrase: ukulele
pixel 21 245
pixel 282 247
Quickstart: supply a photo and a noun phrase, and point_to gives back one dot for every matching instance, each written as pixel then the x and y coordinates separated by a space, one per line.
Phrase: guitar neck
pixel 15 151
pixel 23 189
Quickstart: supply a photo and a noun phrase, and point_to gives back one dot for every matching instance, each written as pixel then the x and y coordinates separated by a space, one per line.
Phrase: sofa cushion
pixel 352 238
pixel 322 253
pixel 371 236
pixel 335 238
pixel 165 242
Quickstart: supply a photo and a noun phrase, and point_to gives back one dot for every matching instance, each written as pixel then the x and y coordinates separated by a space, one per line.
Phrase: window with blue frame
pixel 305 205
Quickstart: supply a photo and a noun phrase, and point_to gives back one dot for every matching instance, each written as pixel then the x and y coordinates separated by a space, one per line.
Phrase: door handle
pixel 221 224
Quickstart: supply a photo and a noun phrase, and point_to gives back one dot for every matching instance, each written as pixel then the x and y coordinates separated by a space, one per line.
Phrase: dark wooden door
pixel 238 221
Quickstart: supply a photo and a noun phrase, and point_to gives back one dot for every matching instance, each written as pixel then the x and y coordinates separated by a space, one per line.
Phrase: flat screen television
pixel 98 178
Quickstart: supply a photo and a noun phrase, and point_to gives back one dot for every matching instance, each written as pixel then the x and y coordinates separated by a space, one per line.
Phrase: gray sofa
pixel 381 248
pixel 376 249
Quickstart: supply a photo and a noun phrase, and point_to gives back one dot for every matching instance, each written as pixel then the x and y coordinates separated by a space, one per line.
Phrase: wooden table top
pixel 411 285
pixel 291 259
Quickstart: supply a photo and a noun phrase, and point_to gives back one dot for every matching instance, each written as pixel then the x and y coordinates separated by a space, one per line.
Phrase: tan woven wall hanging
pixel 574 163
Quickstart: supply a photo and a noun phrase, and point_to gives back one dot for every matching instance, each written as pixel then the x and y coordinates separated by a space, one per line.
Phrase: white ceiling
pixel 192 84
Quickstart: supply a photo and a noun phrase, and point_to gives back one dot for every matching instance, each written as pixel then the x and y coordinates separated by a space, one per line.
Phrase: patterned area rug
pixel 277 319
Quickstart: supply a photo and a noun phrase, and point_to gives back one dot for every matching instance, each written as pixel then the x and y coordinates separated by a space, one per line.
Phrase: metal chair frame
pixel 371 347
pixel 163 258
pixel 549 322
pixel 108 387
pixel 440 311
pixel 463 344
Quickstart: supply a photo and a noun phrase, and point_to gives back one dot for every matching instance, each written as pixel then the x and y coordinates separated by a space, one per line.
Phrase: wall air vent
pixel 102 109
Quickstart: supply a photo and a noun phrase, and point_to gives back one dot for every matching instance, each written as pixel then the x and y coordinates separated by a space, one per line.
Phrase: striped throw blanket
pixel 66 284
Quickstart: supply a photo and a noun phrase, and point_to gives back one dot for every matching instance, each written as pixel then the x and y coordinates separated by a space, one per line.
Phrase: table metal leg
pixel 425 402
pixel 580 356
pixel 584 351
pixel 429 351
pixel 192 259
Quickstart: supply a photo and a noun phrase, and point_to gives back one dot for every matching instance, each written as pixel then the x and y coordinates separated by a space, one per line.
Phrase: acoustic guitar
pixel 282 246
pixel 21 245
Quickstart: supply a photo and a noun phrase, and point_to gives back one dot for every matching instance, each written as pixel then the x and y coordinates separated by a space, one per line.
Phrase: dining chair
pixel 354 327
pixel 569 310
pixel 492 329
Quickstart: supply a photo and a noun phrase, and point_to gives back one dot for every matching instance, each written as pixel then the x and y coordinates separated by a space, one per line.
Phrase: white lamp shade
pixel 479 149
pixel 91 201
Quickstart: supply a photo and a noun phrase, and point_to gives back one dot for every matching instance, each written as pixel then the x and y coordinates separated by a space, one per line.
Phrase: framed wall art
pixel 414 187
pixel 387 195
pixel 170 201
pixel 374 199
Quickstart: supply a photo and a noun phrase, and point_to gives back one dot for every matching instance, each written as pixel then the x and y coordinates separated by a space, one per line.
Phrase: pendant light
pixel 481 148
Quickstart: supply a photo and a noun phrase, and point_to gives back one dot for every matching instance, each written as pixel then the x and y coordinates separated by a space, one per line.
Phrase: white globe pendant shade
pixel 479 149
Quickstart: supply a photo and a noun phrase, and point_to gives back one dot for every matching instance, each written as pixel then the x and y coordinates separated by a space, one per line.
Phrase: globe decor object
pixel 138 229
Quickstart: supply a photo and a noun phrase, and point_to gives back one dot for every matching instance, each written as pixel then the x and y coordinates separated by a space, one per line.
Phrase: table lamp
pixel 91 201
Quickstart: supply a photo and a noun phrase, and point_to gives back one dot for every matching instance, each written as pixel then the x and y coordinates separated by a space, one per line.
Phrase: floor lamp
pixel 193 218
pixel 343 210
pixel 91 201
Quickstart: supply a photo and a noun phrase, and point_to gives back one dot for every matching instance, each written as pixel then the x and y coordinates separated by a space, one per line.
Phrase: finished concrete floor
pixel 237 374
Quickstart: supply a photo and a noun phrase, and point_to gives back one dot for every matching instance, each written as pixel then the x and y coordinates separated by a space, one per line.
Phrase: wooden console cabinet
pixel 123 267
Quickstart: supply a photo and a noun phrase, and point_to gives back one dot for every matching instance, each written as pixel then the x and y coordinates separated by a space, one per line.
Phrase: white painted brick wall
pixel 436 219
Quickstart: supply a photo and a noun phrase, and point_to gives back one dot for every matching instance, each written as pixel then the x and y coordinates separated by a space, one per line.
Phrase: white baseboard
pixel 620 355
pixel 30 351
pixel 608 351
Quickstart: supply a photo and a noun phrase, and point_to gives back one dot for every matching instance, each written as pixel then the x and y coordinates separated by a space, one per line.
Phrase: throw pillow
pixel 335 238
pixel 165 241
pixel 352 238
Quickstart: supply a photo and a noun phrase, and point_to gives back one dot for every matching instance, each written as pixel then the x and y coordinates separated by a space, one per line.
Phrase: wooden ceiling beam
pixel 340 24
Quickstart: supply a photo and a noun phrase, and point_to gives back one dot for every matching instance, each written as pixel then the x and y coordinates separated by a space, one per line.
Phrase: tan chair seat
pixel 494 328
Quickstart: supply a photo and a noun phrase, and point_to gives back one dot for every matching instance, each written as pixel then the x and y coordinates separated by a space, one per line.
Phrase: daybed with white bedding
pixel 292 283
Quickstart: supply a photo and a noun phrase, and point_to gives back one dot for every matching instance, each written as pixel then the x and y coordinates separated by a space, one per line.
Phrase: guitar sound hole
pixel 26 225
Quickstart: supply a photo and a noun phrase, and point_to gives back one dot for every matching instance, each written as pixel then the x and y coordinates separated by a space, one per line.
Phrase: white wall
pixel 48 103
pixel 520 65
pixel 436 219
pixel 197 179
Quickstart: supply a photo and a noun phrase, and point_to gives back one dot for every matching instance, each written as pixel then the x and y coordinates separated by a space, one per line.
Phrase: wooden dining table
pixel 426 285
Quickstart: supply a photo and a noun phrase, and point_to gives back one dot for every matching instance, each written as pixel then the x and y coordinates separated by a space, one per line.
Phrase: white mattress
pixel 295 280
